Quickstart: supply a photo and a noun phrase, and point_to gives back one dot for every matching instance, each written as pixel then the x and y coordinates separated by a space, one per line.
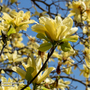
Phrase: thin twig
pixel 74 79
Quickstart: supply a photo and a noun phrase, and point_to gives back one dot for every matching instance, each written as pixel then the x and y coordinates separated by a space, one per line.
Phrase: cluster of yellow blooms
pixel 19 20
pixel 51 31
pixel 81 11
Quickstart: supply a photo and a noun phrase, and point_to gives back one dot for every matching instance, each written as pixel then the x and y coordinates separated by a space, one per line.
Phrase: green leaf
pixel 45 46
pixel 27 88
pixel 44 88
pixel 11 31
pixel 65 46
pixel 29 72
pixel 41 36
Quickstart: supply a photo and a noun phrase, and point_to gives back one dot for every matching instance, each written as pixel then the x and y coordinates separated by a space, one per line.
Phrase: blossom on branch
pixel 78 10
pixel 18 20
pixel 32 68
pixel 56 29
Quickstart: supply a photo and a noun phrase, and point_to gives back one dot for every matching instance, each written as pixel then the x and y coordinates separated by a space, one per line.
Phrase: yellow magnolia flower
pixel 85 71
pixel 87 3
pixel 19 20
pixel 14 57
pixel 36 65
pixel 60 85
pixel 67 70
pixel 78 9
pixel 17 40
pixel 57 29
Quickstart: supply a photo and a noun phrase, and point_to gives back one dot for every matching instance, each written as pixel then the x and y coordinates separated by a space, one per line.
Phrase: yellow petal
pixel 24 65
pixel 85 29
pixel 14 55
pixel 29 63
pixel 23 27
pixel 27 22
pixel 2 71
pixel 55 54
pixel 50 27
pixel 26 15
pixel 45 74
pixel 71 14
pixel 73 38
pixel 3 79
pixel 13 13
pixel 68 22
pixel 42 20
pixel 38 63
pixel 39 28
pixel 58 20
pixel 21 72
pixel 18 60
pixel 87 60
pixel 60 32
pixel 73 30
pixel 7 17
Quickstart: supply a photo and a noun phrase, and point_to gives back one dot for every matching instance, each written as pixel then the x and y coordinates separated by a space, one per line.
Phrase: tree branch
pixel 74 79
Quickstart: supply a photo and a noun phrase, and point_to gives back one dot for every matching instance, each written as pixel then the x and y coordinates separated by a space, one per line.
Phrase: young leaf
pixel 44 88
pixel 11 31
pixel 29 73
pixel 27 88
pixel 41 36
pixel 45 46
pixel 65 46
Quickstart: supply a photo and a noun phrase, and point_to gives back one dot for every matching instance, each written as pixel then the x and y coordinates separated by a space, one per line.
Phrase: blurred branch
pixel 74 79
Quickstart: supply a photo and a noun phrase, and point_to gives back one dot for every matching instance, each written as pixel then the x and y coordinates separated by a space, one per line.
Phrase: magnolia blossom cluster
pixel 78 10
pixel 36 66
pixel 81 11
pixel 19 20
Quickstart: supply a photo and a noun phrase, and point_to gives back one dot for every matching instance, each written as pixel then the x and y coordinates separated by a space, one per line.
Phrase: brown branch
pixel 44 9
pixel 9 70
pixel 74 79
pixel 2 49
